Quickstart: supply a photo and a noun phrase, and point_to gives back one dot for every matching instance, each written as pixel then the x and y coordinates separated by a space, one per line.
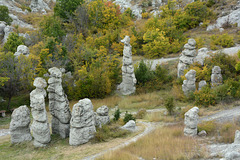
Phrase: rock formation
pixel 202 54
pixel 2 26
pixel 130 126
pixel 191 122
pixel 22 49
pixel 39 6
pixel 7 31
pixel 189 84
pixel 129 81
pixel 40 127
pixel 82 123
pixel 216 77
pixel 201 84
pixel 19 126
pixel 187 56
pixel 102 116
pixel 58 104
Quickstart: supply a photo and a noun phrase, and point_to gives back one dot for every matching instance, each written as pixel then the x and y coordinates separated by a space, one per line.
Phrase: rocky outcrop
pixel 19 125
pixel 7 31
pixel 202 55
pixel 101 116
pixel 58 104
pixel 39 6
pixel 191 122
pixel 216 77
pixel 189 84
pixel 187 56
pixel 22 49
pixel 2 26
pixel 17 22
pixel 201 84
pixel 129 81
pixel 82 123
pixel 40 127
pixel 130 126
pixel 229 19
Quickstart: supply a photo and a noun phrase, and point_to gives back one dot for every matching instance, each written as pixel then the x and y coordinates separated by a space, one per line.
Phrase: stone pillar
pixel 129 81
pixel 40 127
pixel 201 84
pixel 82 123
pixel 58 104
pixel 189 84
pixel 216 77
pixel 187 56
pixel 191 122
pixel 102 116
pixel 19 125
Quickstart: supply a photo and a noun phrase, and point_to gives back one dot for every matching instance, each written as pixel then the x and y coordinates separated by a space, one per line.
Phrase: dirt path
pixel 223 116
pixel 149 127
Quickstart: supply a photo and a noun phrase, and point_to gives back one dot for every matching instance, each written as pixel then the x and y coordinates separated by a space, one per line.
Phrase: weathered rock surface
pixel 101 116
pixel 129 81
pixel 39 6
pixel 7 30
pixel 19 125
pixel 189 84
pixel 17 22
pixel 40 127
pixel 202 54
pixel 187 56
pixel 130 126
pixel 191 122
pixel 2 26
pixel 203 133
pixel 82 123
pixel 216 77
pixel 22 49
pixel 201 84
pixel 58 104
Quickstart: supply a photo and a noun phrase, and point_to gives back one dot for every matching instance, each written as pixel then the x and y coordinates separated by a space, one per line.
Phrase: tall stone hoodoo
pixel 216 77
pixel 187 56
pixel 19 126
pixel 189 84
pixel 82 123
pixel 129 81
pixel 191 122
pixel 40 127
pixel 58 104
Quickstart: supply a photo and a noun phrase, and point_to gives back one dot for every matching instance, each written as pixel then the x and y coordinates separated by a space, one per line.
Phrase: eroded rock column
pixel 189 84
pixel 19 126
pixel 187 57
pixel 82 122
pixel 40 127
pixel 216 77
pixel 129 81
pixel 191 122
pixel 102 116
pixel 58 104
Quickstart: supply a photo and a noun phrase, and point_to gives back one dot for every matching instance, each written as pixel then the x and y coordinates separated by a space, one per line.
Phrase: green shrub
pixel 4 15
pixel 116 115
pixel 210 3
pixel 224 41
pixel 128 117
pixel 205 97
pixel 210 127
pixel 143 73
pixel 169 105
pixel 13 41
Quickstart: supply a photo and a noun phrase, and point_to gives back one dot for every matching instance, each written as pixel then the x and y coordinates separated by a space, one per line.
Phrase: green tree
pixel 65 8
pixel 4 15
pixel 13 41
pixel 52 27
pixel 238 64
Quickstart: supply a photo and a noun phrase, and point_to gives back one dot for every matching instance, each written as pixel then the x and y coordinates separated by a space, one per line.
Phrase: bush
pixel 224 41
pixel 4 15
pixel 116 115
pixel 210 127
pixel 143 73
pixel 141 114
pixel 128 117
pixel 169 105
pixel 13 41
pixel 205 97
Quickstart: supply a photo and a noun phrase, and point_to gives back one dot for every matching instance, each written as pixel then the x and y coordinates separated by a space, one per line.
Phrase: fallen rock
pixel 130 126
pixel 19 125
pixel 22 49
pixel 203 133
pixel 101 116
pixel 202 84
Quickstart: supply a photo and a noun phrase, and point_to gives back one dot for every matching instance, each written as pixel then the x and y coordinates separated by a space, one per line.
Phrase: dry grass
pixel 166 143
pixel 159 117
